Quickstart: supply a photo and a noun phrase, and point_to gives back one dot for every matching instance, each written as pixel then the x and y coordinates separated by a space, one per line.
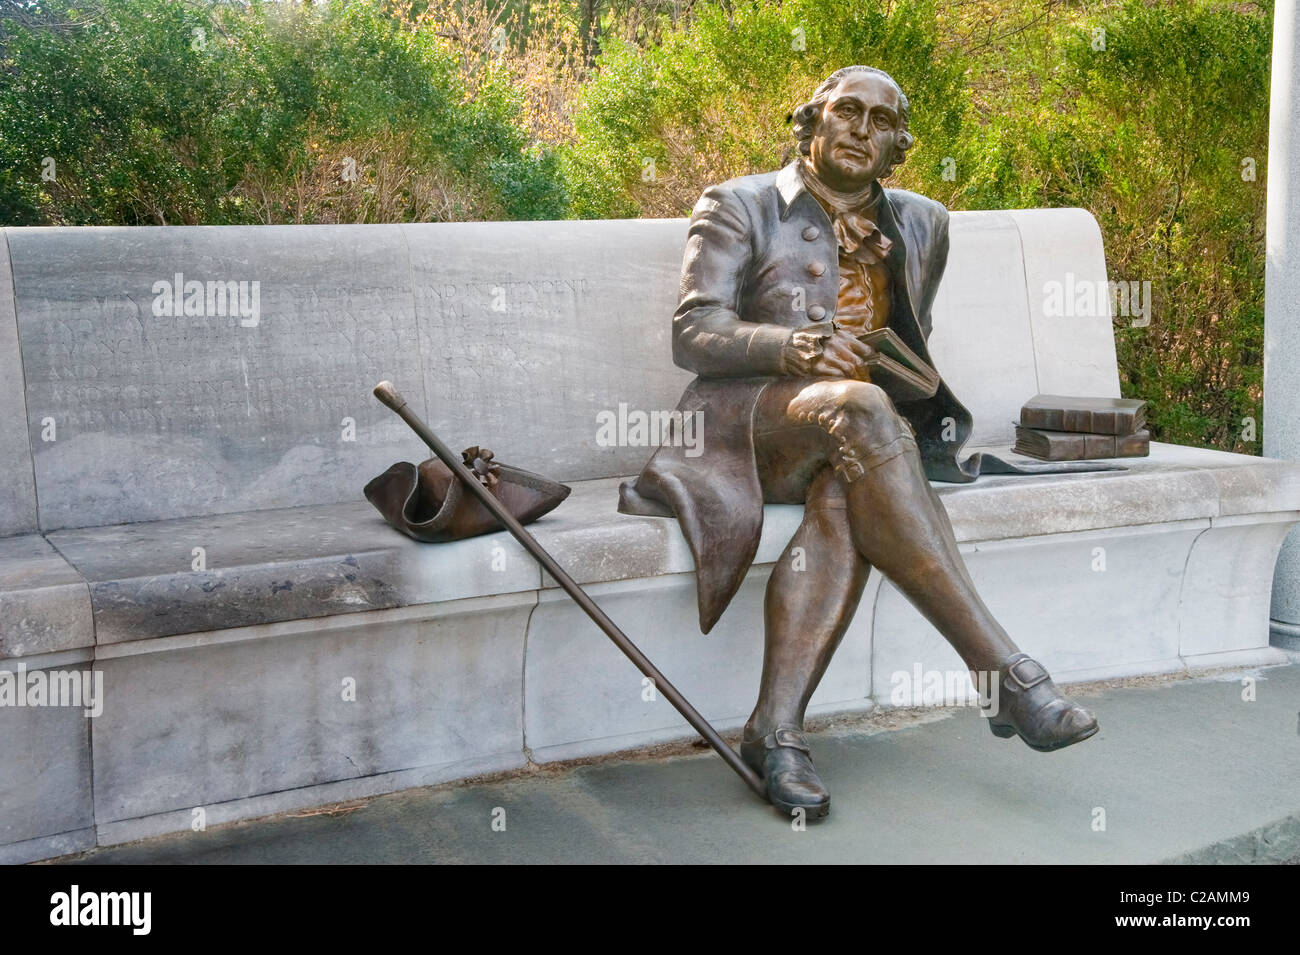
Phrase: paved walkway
pixel 1182 770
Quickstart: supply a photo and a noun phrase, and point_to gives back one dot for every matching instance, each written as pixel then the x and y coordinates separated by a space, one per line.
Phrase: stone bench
pixel 183 512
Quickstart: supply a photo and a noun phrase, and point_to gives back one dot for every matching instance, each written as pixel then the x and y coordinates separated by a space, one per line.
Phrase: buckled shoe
pixel 1031 707
pixel 782 759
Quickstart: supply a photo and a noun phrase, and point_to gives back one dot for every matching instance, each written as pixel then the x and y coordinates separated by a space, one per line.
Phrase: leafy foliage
pixel 711 101
pixel 1159 127
pixel 162 111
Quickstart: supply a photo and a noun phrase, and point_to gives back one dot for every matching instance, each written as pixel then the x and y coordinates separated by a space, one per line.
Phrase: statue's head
pixel 854 129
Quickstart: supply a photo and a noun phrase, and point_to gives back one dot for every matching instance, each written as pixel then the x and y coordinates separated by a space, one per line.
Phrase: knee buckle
pixel 866 432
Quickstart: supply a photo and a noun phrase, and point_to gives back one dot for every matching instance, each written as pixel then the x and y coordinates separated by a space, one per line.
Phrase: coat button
pixel 816 313
pixel 811 232
pixel 816 268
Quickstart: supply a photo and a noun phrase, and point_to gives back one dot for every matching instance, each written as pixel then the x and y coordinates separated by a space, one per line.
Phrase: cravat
pixel 857 234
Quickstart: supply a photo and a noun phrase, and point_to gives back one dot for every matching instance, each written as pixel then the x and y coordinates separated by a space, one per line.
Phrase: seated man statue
pixel 783 272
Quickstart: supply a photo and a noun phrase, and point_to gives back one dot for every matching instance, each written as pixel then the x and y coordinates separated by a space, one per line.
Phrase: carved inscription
pixel 110 364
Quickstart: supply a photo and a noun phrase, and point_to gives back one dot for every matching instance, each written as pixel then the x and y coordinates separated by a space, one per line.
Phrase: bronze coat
pixel 754 247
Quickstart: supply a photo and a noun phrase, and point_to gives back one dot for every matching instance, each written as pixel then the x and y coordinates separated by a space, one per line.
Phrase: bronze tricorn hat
pixel 430 504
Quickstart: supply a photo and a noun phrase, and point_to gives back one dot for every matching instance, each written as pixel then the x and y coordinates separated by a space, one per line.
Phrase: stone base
pixel 251 722
pixel 1285 636
pixel 231 724
pixel 323 657
pixel 48 847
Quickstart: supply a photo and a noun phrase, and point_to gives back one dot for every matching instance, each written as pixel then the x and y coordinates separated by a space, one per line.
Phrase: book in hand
pixel 1074 446
pixel 898 369
pixel 1113 416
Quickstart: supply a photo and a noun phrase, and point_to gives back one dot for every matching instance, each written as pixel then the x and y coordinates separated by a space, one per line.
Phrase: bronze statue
pixel 784 273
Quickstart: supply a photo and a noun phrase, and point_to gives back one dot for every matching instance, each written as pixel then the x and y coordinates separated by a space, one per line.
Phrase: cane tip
pixel 388 394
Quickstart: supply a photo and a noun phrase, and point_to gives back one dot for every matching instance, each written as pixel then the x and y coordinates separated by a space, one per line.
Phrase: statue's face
pixel 853 142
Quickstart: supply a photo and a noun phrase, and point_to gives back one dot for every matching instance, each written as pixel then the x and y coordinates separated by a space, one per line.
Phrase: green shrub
pixel 655 126
pixel 162 111
pixel 1155 131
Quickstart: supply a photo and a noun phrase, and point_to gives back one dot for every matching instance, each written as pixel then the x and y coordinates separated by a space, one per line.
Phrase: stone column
pixel 1282 300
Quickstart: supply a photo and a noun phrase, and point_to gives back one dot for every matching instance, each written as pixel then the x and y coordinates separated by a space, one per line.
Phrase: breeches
pixel 803 426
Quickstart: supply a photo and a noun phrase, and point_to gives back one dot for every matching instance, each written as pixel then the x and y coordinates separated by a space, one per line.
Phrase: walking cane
pixel 386 393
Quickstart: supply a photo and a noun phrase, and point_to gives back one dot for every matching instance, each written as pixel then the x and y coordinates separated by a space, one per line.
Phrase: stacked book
pixel 1069 428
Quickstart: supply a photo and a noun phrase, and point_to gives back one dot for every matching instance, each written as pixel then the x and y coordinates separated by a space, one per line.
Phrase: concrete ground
pixel 1183 770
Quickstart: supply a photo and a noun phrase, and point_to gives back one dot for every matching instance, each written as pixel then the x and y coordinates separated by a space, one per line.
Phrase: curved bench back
pixel 185 371
pixel 18 489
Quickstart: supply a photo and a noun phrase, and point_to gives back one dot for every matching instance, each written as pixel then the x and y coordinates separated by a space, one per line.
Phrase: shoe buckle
pixel 1027 673
pixel 786 736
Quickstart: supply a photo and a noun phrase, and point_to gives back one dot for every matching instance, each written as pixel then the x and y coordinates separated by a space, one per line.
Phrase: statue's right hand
pixel 826 353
